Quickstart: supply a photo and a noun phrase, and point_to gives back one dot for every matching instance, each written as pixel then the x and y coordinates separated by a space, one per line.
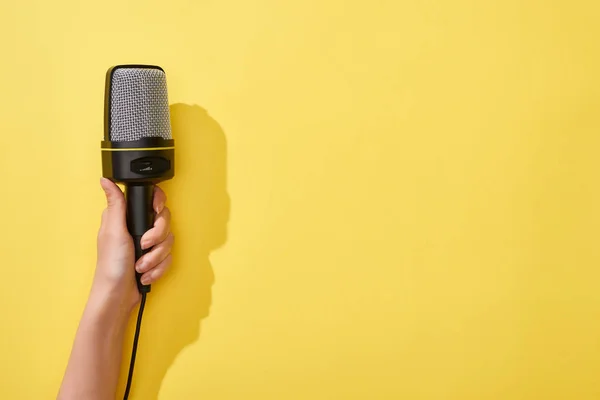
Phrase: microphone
pixel 138 150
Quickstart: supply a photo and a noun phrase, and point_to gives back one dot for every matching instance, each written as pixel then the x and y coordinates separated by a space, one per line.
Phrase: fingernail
pixel 145 280
pixel 140 267
pixel 144 243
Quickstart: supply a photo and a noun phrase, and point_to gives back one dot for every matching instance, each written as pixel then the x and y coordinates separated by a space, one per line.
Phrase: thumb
pixel 115 201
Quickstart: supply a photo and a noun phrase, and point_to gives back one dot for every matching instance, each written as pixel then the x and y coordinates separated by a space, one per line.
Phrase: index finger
pixel 160 198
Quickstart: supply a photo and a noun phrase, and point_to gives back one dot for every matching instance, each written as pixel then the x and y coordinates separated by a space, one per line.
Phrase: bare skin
pixel 93 369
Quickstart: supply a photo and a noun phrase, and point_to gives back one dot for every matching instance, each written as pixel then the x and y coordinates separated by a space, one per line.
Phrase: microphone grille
pixel 139 104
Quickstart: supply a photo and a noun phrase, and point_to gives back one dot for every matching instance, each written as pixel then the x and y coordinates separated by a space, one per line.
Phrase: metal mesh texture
pixel 139 105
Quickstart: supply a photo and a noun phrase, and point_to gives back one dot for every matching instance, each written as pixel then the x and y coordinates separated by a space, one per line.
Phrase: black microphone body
pixel 140 218
pixel 137 149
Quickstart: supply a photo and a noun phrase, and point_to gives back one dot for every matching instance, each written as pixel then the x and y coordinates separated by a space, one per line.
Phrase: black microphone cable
pixel 136 337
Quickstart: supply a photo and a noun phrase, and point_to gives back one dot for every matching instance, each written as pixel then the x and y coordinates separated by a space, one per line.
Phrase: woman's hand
pixel 115 275
pixel 93 369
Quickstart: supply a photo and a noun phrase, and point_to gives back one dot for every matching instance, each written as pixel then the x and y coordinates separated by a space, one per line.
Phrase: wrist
pixel 111 301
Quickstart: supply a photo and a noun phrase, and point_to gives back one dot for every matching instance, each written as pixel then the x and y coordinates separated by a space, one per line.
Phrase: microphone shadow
pixel 200 205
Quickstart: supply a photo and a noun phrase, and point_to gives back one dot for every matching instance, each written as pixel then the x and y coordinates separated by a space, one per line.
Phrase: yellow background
pixel 373 200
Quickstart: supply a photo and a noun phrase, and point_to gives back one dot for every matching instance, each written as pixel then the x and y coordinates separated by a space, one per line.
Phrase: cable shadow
pixel 200 205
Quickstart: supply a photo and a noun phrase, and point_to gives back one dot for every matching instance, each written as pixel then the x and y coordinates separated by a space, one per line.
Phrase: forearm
pixel 93 368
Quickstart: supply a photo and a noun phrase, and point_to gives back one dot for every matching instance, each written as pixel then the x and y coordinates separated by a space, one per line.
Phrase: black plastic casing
pixel 148 160
pixel 139 165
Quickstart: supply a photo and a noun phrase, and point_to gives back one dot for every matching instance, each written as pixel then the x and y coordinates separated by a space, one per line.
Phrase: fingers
pixel 114 195
pixel 160 231
pixel 153 264
pixel 160 198
pixel 155 273
pixel 155 256
pixel 115 203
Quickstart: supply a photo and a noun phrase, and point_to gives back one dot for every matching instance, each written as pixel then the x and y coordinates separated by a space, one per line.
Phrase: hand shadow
pixel 200 204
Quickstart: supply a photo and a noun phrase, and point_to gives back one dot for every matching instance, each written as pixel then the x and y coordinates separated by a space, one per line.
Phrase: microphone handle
pixel 140 218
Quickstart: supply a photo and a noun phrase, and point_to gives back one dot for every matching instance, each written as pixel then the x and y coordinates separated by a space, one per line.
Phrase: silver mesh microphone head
pixel 139 105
